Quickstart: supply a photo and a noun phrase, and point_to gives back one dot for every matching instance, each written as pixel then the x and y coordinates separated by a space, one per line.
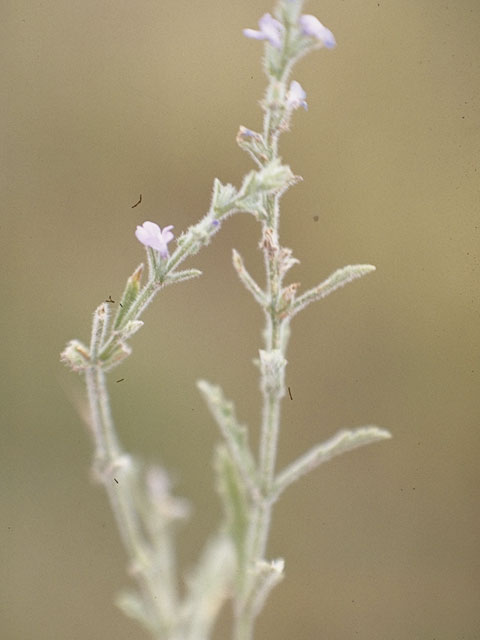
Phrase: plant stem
pixel 273 391
pixel 116 471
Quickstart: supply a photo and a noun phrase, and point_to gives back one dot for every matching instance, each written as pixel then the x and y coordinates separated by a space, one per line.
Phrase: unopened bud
pixel 76 356
pixel 132 289
pixel 252 142
pixel 113 356
pixel 272 366
pixel 223 197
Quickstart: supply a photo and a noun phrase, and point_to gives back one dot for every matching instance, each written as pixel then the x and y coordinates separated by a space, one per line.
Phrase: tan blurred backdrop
pixel 106 100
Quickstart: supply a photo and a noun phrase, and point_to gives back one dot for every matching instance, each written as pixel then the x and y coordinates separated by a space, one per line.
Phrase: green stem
pixel 260 519
pixel 115 471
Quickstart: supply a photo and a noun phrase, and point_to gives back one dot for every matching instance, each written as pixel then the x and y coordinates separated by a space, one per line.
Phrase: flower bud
pixel 253 143
pixel 76 356
pixel 130 294
pixel 272 366
pixel 223 197
pixel 119 351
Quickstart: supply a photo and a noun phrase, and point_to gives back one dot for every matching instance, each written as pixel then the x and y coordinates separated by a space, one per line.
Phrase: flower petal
pixel 270 29
pixel 296 96
pixel 253 33
pixel 311 26
pixel 151 235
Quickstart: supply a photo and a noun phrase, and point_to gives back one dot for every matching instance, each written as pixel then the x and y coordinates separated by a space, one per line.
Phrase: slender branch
pixel 272 366
pixel 337 279
pixel 247 279
pixel 116 472
pixel 341 442
pixel 235 435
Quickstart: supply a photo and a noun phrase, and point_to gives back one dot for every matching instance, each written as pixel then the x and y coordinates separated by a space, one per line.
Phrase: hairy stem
pixel 273 389
pixel 115 470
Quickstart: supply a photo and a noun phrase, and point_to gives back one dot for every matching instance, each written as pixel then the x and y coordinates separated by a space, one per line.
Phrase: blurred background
pixel 106 100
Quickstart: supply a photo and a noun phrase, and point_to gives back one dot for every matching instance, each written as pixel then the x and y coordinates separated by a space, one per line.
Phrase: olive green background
pixel 106 100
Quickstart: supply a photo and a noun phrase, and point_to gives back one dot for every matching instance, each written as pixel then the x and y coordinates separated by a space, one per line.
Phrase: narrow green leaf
pixel 132 289
pixel 208 588
pixel 132 605
pixel 235 435
pixel 337 279
pixel 247 279
pixel 341 442
pixel 232 493
pixel 180 276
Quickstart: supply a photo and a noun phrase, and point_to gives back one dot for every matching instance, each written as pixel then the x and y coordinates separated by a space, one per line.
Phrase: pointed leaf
pixel 232 492
pixel 132 605
pixel 341 442
pixel 235 435
pixel 337 279
pixel 269 574
pixel 180 276
pixel 208 587
pixel 132 290
pixel 100 324
pixel 247 279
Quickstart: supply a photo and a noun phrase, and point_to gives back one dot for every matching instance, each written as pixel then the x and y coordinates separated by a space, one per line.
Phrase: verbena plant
pixel 234 564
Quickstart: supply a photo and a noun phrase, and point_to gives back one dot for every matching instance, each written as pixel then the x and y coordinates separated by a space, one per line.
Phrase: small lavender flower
pixel 296 96
pixel 247 133
pixel 270 29
pixel 311 26
pixel 152 236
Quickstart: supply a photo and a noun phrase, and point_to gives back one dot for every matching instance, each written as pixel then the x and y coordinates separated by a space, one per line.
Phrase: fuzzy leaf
pixel 132 605
pixel 208 587
pixel 235 435
pixel 341 442
pixel 132 289
pixel 232 493
pixel 337 279
pixel 180 276
pixel 247 279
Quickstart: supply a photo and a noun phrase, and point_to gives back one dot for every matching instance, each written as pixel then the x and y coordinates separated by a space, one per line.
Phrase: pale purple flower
pixel 247 133
pixel 311 26
pixel 270 29
pixel 296 96
pixel 152 236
